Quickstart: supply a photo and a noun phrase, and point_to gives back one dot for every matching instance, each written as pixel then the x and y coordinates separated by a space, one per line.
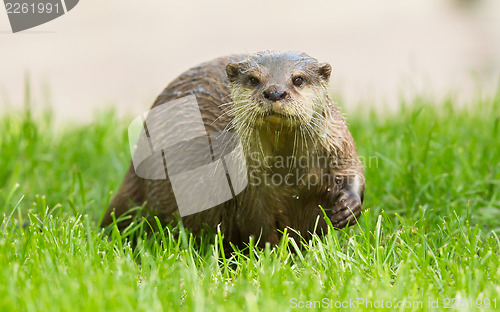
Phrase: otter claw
pixel 346 210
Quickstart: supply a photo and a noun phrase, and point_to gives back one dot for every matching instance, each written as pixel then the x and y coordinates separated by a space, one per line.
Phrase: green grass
pixel 430 229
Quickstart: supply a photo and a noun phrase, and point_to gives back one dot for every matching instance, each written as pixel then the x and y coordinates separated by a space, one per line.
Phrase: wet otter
pixel 298 150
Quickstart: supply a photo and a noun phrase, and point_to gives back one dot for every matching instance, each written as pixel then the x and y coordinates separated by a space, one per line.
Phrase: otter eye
pixel 297 81
pixel 253 81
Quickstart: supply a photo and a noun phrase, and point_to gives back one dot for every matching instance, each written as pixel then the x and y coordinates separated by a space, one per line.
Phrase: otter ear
pixel 232 71
pixel 325 71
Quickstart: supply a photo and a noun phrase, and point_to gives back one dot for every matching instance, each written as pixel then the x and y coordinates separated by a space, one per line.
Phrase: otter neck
pixel 275 143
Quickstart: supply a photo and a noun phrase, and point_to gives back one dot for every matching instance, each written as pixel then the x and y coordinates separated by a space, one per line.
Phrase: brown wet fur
pixel 262 211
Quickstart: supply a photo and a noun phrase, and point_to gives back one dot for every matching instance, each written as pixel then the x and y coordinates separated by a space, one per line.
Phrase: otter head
pixel 283 88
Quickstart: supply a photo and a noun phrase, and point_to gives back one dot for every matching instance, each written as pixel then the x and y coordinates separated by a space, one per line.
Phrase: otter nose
pixel 275 95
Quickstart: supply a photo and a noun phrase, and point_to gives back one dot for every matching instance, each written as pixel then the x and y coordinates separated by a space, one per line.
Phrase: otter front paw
pixel 346 209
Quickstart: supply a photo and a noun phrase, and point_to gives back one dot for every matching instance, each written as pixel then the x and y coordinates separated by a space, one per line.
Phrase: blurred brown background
pixel 123 52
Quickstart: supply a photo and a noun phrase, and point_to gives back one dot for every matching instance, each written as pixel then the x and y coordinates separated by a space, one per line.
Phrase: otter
pixel 301 158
